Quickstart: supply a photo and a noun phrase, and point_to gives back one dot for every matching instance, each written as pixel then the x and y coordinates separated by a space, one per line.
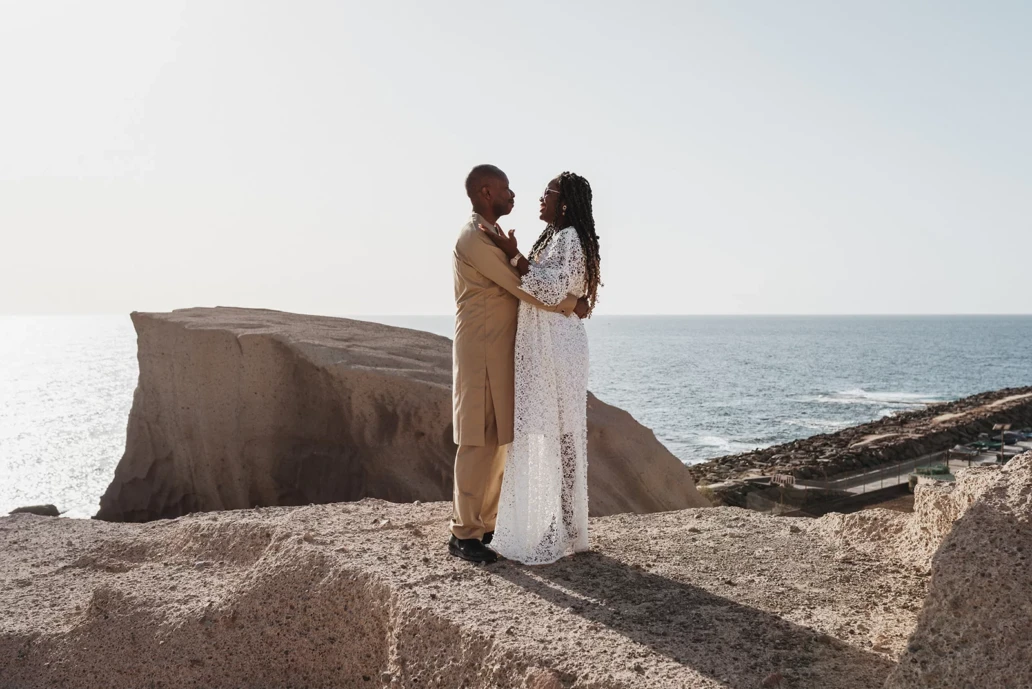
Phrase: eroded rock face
pixel 237 408
pixel 976 626
pixel 912 538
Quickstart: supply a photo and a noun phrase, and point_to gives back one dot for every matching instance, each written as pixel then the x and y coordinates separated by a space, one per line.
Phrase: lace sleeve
pixel 559 272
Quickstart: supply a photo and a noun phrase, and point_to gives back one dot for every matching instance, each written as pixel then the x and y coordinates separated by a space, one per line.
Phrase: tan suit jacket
pixel 487 294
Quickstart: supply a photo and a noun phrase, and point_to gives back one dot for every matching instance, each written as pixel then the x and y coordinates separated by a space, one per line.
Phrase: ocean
pixel 707 386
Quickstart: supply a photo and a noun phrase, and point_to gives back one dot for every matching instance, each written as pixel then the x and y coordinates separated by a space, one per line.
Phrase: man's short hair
pixel 479 175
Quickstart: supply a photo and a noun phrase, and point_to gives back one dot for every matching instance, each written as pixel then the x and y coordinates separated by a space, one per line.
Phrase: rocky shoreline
pixel 896 438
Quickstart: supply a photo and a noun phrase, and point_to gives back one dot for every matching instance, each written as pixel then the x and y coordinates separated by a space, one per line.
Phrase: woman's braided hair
pixel 574 208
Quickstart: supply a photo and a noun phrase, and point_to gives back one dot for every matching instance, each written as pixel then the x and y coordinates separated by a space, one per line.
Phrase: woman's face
pixel 550 203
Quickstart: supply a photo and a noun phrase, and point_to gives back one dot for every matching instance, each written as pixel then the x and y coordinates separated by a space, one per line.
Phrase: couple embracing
pixel 520 374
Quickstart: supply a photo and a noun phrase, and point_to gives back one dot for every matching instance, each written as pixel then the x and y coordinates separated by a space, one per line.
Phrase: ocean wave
pixel 713 441
pixel 859 396
pixel 725 445
pixel 820 424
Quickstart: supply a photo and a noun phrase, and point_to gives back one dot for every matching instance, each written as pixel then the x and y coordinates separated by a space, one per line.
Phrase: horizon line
pixel 610 315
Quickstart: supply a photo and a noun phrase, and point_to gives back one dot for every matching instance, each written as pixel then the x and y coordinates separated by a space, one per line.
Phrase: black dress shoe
pixel 488 537
pixel 471 549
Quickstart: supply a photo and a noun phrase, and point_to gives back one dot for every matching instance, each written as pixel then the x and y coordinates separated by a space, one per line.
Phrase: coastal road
pixel 877 478
pixel 895 474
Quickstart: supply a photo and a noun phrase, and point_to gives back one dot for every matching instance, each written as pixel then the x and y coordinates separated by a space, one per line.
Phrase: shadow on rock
pixel 741 646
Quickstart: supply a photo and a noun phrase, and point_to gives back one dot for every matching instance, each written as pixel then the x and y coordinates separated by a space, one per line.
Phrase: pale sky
pixel 746 157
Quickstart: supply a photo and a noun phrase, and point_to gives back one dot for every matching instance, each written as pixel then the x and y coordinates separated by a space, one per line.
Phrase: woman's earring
pixel 564 207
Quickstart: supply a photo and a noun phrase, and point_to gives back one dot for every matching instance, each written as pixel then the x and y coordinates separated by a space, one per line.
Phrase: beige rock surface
pixel 912 539
pixel 976 626
pixel 362 594
pixel 330 595
pixel 237 408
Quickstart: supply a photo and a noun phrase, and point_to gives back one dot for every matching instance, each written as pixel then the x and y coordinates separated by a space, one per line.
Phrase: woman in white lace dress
pixel 543 512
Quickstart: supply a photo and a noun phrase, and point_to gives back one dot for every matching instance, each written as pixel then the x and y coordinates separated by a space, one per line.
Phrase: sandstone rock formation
pixel 897 438
pixel 976 626
pixel 913 539
pixel 237 408
pixel 361 594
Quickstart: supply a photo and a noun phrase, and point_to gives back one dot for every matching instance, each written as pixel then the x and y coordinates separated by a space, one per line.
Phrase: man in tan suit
pixel 487 294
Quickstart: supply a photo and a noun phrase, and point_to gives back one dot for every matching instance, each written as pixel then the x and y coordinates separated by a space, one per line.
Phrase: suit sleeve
pixel 489 260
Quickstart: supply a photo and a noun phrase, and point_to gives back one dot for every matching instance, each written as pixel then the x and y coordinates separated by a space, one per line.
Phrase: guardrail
pixel 786 494
pixel 878 478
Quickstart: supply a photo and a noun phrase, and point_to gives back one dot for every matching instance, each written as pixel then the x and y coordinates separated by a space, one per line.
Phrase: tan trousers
pixel 478 481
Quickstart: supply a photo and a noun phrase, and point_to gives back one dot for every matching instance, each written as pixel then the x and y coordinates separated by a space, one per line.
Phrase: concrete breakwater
pixel 893 439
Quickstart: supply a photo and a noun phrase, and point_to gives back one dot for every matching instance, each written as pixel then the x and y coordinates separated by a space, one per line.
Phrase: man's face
pixel 502 197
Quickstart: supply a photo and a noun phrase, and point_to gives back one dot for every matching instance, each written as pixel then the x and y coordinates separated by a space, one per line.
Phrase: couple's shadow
pixel 740 646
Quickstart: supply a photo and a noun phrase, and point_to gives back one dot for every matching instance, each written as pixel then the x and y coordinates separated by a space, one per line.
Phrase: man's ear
pixel 485 192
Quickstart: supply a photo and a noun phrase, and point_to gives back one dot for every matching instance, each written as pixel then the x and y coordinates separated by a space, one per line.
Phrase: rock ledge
pixel 362 595
pixel 238 408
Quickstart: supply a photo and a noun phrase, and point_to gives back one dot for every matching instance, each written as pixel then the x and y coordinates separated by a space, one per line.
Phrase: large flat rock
pixel 237 408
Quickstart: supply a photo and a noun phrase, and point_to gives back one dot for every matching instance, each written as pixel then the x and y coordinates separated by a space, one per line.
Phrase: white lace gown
pixel 543 511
